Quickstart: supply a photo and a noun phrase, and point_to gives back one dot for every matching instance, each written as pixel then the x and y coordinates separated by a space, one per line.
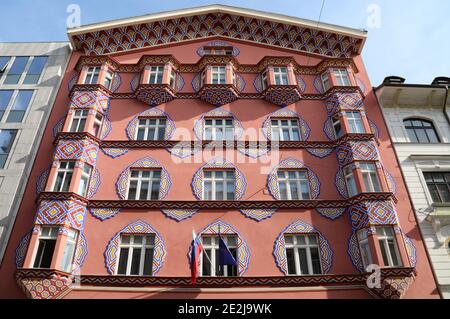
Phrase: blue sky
pixel 411 39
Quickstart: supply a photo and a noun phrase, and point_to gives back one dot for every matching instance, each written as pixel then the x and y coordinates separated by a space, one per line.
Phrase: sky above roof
pixel 405 38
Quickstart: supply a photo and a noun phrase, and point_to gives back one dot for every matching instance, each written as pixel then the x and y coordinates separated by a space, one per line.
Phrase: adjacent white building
pixel 30 75
pixel 418 118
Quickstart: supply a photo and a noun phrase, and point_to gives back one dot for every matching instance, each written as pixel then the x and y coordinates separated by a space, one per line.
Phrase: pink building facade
pixel 259 128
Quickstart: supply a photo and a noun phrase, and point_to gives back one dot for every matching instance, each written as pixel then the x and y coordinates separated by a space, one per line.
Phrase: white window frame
pixel 139 179
pixel 109 76
pixel 325 79
pixel 336 120
pixel 214 180
pixel 91 72
pixel 364 248
pixel 264 81
pixel 143 246
pixel 214 246
pixel 355 122
pixel 299 179
pixel 86 178
pixel 78 116
pixel 51 233
pixel 281 73
pixel 341 77
pixel 172 78
pixel 295 245
pixel 158 72
pixel 367 169
pixel 147 126
pixel 64 171
pixel 383 238
pixel 349 175
pixel 69 251
pixel 291 125
pixel 220 72
pixel 98 122
pixel 214 127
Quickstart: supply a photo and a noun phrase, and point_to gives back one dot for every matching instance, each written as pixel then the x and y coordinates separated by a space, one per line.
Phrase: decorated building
pixel 253 127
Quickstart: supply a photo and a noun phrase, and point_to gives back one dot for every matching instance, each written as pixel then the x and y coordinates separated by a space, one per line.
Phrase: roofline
pixel 280 18
pixel 424 86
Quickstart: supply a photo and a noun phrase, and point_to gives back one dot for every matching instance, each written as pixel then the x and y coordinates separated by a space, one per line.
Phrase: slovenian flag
pixel 197 248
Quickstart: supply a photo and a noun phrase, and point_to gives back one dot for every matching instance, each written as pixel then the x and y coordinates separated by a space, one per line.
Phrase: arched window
pixel 421 131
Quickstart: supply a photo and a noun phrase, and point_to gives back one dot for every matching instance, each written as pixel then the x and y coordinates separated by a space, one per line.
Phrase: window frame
pixel 366 172
pixel 38 74
pixel 341 77
pixel 214 127
pixel 70 248
pixel 347 172
pixel 109 76
pixel 12 101
pixel 384 238
pixel 158 72
pixel 147 127
pixel 21 75
pixel 364 247
pixel 92 74
pixel 325 80
pixel 214 246
pixel 295 246
pixel 353 121
pixel 289 126
pixel 64 171
pixel 336 121
pixel 143 246
pixel 53 236
pixel 298 181
pixel 12 144
pixel 79 115
pixel 442 172
pixel 281 78
pixel 139 179
pixel 216 70
pixel 214 181
pixel 86 175
pixel 413 128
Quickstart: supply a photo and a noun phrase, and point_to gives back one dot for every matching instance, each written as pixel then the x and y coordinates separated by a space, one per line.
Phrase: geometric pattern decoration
pixel 239 82
pixel 374 128
pixel 146 162
pixel 106 127
pixel 331 213
pixel 201 51
pixel 243 252
pixel 320 152
pixel 286 113
pixel 89 100
pixel 42 181
pixel 409 245
pixel 371 213
pixel 21 250
pixel 132 127
pixel 301 227
pixel 218 94
pixel 292 163
pixel 339 182
pixel 37 288
pixel 94 183
pixel 114 152
pixel 240 182
pixel 394 288
pixel 138 227
pixel 257 83
pixel 73 80
pixel 69 213
pixel 72 149
pixel 282 95
pixel 135 82
pixel 179 214
pixel 356 151
pixel 199 125
pixel 81 252
pixel 392 186
pixel 104 213
pixel 117 80
pixel 328 129
pixel 217 24
pixel 59 126
pixel 255 150
pixel 354 252
pixel 339 101
pixel 258 214
pixel 318 84
pixel 183 150
pixel 154 94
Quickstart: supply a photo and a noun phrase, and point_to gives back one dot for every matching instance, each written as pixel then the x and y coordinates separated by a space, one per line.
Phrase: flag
pixel 197 248
pixel 225 256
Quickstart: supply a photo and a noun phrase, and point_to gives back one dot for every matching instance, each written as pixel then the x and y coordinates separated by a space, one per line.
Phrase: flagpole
pixel 218 255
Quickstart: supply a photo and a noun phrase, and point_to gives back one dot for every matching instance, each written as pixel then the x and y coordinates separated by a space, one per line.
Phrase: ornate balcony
pixel 155 94
pixel 282 95
pixel 218 94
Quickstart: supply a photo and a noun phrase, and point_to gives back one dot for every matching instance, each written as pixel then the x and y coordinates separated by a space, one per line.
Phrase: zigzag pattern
pixel 258 214
pixel 179 214
pixel 70 213
pixel 104 213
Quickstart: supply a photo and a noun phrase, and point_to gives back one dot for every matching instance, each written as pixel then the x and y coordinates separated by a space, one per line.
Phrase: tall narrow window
pixel 92 75
pixel 218 75
pixel 281 75
pixel 219 129
pixel 98 124
pixel 35 70
pixel 364 248
pixel 151 129
pixel 4 61
pixel 108 79
pixel 84 181
pixel 439 186
pixel 293 184
pixel 388 246
pixel 421 131
pixel 350 181
pixel 7 138
pixel 136 255
pixel 218 185
pixel 210 256
pixel 69 249
pixel 172 78
pixel 46 247
pixel 79 120
pixel 355 122
pixel 337 126
pixel 325 77
pixel 5 98
pixel 203 77
pixel 264 80
pixel 341 77
pixel 285 130
pixel 20 106
pixel 16 70
pixel 156 74
pixel 144 184
pixel 370 177
pixel 64 176
pixel 302 254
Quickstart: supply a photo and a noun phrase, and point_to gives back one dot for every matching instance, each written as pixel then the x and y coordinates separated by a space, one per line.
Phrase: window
pixel 341 77
pixel 218 75
pixel 20 106
pixel 388 246
pixel 285 130
pixel 144 184
pixel 439 186
pixel 108 79
pixel 281 75
pixel 4 61
pixel 203 77
pixel 64 176
pixel 293 184
pixel 35 70
pixel 92 75
pixel 69 249
pixel 5 98
pixel 219 129
pixel 350 181
pixel 151 129
pixel 136 255
pixel 156 74
pixel 46 247
pixel 337 126
pixel 84 181
pixel 302 254
pixel 420 131
pixel 218 51
pixel 370 177
pixel 264 80
pixel 218 185
pixel 16 70
pixel 7 138
pixel 210 256
pixel 98 123
pixel 79 120
pixel 364 248
pixel 355 123
pixel 172 78
pixel 325 81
